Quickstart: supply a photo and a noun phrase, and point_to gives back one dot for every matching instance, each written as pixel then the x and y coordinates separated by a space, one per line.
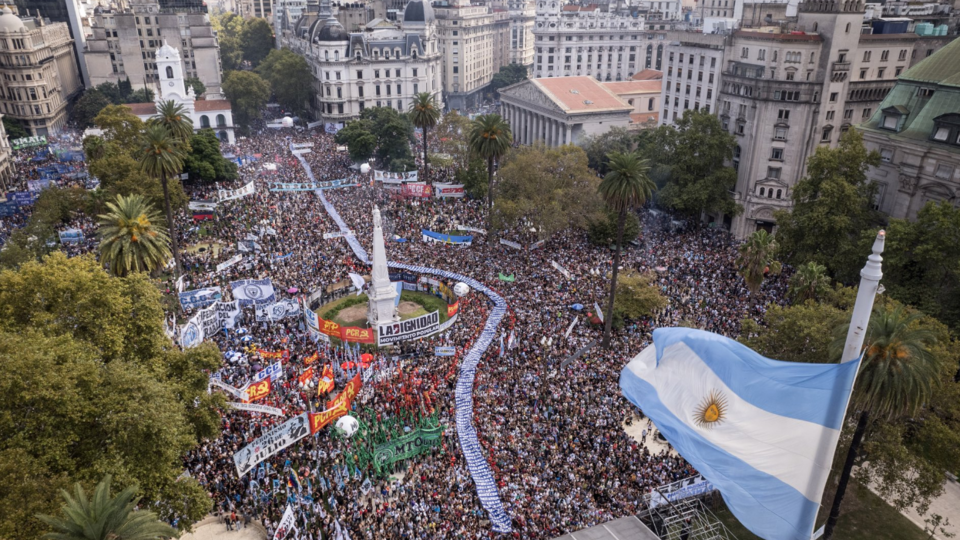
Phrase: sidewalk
pixel 947 505
pixel 211 529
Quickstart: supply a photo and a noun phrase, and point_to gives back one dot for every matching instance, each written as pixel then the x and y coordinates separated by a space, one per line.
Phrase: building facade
pixel 39 72
pixel 691 78
pixel 561 110
pixel 916 130
pixel 7 168
pixel 124 43
pixel 381 67
pixel 215 114
pixel 643 97
pixel 522 19
pixel 609 42
pixel 474 42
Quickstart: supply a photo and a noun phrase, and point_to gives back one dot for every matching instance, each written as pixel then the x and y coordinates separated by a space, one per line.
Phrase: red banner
pixel 329 328
pixel 257 390
pixel 268 355
pixel 453 308
pixel 356 334
pixel 325 384
pixel 305 376
pixel 417 190
pixel 311 359
pixel 336 408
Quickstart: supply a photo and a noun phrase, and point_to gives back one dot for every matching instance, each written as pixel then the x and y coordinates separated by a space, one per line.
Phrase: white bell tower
pixel 170 72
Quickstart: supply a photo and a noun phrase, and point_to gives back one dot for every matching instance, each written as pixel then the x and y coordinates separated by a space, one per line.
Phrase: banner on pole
pixel 208 322
pixel 253 291
pixel 448 190
pixel 337 407
pixel 444 351
pixel 271 442
pixel 509 243
pixel 229 262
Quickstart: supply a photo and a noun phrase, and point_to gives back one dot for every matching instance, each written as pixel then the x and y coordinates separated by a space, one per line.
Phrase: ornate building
pixel 39 72
pixel 916 130
pixel 381 67
pixel 215 114
pixel 475 43
pixel 124 40
pixel 522 19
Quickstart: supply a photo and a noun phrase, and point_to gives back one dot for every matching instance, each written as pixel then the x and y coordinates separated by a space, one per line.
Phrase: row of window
pixel 339 90
pixel 376 74
pixel 27 94
pixel 789 57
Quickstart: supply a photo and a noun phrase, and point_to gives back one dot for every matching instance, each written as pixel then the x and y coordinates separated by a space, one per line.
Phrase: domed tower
pixel 418 17
pixel 330 34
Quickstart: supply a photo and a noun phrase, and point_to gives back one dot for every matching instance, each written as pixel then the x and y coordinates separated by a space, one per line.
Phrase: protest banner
pixel 257 390
pixel 71 236
pixel 430 236
pixel 337 407
pixel 356 334
pixel 417 327
pixel 253 291
pixel 417 189
pixel 274 371
pixel 199 298
pixel 509 243
pixel 406 447
pixel 208 322
pixel 229 262
pixel 287 524
pixel 265 409
pixel 448 190
pixel 271 442
pixel 235 392
pixel 444 351
pixel 231 194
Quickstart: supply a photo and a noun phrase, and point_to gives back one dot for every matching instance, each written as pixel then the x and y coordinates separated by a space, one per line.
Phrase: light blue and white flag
pixel 762 431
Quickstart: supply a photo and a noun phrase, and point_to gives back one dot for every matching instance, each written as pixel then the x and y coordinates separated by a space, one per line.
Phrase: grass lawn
pixel 427 303
pixel 864 516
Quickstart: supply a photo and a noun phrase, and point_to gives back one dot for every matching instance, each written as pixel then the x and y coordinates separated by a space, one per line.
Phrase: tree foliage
pixel 694 151
pixel 289 77
pixel 831 207
pixel 248 93
pixel 256 40
pixel 229 27
pixel 809 282
pixel 89 106
pixel 508 74
pixel 120 126
pixel 205 162
pixel 638 295
pixel 452 132
pixel 549 189
pixel 132 237
pixel 908 455
pixel 383 132
pixel 597 147
pixel 198 87
pixel 921 263
pixel 13 128
pixel 602 228
pixel 92 386
pixel 756 259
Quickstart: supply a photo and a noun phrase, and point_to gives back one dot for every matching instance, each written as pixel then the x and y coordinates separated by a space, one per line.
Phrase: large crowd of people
pixel 553 433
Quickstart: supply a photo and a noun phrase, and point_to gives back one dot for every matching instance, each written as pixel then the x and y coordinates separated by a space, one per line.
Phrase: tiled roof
pixel 941 68
pixel 633 87
pixel 648 75
pixel 580 94
pixel 643 118
pixel 205 105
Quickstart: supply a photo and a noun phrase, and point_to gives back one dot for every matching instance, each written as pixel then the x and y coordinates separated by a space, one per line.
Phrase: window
pixel 848 114
pixel 880 73
pixel 744 53
pixel 777 154
pixel 783 114
pixel 829 115
pixel 898 71
pixel 414 72
pixel 736 157
pixel 360 91
pixel 204 121
pixel 833 97
pixel 884 56
pixel 944 172
pixel 886 155
pixel 773 172
pixel 863 74
pixel 780 134
pixel 941 133
pixel 827 134
pixel 866 113
pixel 866 55
pixel 360 74
pixel 221 120
pixel 169 72
pixel 740 128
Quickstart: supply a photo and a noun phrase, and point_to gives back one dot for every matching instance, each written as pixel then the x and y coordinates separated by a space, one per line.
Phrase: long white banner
pixel 271 442
pixel 229 262
pixel 235 392
pixel 566 273
pixel 230 194
pixel 448 190
pixel 256 408
pixel 208 322
pixel 287 523
pixel 509 243
pixel 417 327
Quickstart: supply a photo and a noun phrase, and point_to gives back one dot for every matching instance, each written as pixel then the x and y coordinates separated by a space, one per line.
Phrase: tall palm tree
pixel 132 238
pixel 624 188
pixel 756 260
pixel 809 282
pixel 897 375
pixel 161 155
pixel 490 137
pixel 104 517
pixel 424 114
pixel 172 116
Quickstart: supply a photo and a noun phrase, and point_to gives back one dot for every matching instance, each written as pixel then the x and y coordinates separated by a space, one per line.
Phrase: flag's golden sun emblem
pixel 712 411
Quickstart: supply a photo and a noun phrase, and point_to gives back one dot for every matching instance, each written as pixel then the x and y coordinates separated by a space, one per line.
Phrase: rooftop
pixel 580 94
pixel 940 68
pixel 648 75
pixel 633 87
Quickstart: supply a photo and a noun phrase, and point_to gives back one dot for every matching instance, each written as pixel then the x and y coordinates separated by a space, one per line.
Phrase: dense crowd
pixel 553 435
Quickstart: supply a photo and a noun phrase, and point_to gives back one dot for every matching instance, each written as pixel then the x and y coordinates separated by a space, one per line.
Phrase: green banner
pixel 406 447
pixel 27 142
pixel 506 278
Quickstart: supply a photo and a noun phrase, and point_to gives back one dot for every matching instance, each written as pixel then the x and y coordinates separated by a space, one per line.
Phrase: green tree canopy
pixel 120 126
pixel 425 114
pixel 13 128
pixel 89 106
pixel 452 132
pixel 508 74
pixel 809 282
pixel 256 40
pixel 205 162
pixel 831 207
pixel 198 87
pixel 93 386
pixel 229 27
pixel 549 189
pixel 695 150
pixel 921 263
pixel 289 77
pixel 756 259
pixel 248 93
pixel 602 228
pixel 490 137
pixel 597 147
pixel 638 295
pixel 391 134
pixel 132 237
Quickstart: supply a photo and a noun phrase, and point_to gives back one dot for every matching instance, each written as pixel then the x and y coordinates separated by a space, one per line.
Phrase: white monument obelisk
pixel 382 293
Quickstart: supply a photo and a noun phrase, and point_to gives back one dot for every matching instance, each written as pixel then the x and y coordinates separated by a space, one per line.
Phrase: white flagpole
pixel 869 286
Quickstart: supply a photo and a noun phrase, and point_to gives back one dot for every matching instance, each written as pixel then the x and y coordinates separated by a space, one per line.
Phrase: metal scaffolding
pixel 686 519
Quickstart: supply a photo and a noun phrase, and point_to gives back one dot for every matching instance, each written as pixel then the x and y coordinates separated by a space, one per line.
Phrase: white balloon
pixel 461 289
pixel 365 168
pixel 286 122
pixel 348 425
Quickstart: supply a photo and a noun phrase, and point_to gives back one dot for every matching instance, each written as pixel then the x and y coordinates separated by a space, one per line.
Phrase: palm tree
pixel 897 375
pixel 424 114
pixel 162 156
pixel 490 138
pixel 624 188
pixel 131 237
pixel 756 260
pixel 809 282
pixel 104 517
pixel 172 116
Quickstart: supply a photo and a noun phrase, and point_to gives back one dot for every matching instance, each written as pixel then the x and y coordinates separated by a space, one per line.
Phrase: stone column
pixel 569 134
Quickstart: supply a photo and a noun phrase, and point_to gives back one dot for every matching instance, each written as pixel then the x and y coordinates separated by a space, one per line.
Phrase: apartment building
pixel 475 42
pixel 125 40
pixel 38 70
pixel 691 78
pixel 522 19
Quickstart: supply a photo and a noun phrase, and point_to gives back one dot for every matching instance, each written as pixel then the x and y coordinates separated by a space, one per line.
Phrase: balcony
pixel 840 71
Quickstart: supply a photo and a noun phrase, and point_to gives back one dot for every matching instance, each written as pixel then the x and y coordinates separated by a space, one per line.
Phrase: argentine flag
pixel 762 431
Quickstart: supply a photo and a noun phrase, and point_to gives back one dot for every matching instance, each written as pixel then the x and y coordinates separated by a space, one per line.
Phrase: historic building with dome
pixel 384 65
pixel 215 114
pixel 39 72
